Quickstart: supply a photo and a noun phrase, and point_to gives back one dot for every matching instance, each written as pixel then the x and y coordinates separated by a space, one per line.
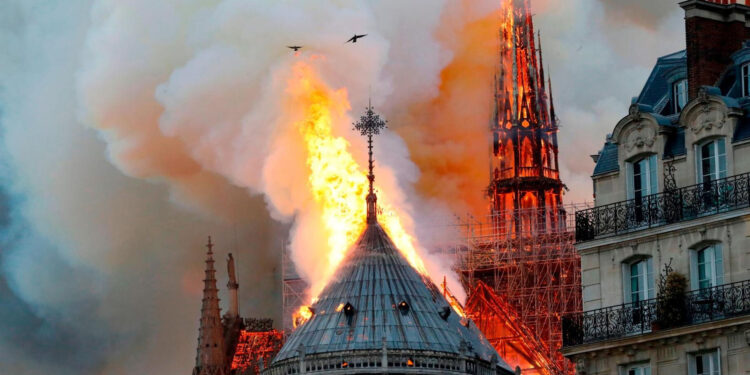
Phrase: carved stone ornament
pixel 581 366
pixel 710 116
pixel 642 136
pixel 635 113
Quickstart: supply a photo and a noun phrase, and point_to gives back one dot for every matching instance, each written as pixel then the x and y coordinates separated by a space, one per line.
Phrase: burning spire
pixel 370 124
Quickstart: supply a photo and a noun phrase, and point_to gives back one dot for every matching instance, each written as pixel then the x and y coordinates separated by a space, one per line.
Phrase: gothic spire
pixel 370 124
pixel 210 354
pixel 552 115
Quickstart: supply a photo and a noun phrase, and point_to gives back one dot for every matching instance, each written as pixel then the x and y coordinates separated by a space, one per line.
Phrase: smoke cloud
pixel 132 130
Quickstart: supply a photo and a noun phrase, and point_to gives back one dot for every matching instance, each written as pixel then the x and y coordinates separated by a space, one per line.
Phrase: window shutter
pixel 691 365
pixel 650 277
pixel 719 264
pixel 698 164
pixel 626 284
pixel 694 269
pixel 629 181
pixel 653 181
pixel 721 161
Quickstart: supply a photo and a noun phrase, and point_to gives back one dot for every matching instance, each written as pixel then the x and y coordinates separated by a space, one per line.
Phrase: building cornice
pixel 666 337
pixel 649 234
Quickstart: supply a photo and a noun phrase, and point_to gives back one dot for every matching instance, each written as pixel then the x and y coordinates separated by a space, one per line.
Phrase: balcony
pixel 701 306
pixel 669 207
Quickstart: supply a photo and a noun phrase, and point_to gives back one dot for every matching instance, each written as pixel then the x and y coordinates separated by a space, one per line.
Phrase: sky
pixel 110 179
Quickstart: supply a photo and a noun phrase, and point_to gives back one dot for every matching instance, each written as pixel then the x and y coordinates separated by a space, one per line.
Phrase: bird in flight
pixel 295 48
pixel 356 37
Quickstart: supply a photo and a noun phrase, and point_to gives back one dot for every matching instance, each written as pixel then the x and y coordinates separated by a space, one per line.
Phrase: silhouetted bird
pixel 295 48
pixel 356 37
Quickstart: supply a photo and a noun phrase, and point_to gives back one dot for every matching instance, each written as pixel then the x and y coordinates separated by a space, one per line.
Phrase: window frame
pixel 717 266
pixel 652 175
pixel 645 277
pixel 644 367
pixel 680 90
pixel 693 362
pixel 719 155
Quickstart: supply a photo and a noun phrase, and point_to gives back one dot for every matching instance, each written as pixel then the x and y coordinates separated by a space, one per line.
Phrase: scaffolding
pixel 294 290
pixel 534 269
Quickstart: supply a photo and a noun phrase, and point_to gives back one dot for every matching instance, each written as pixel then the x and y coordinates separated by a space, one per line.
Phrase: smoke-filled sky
pixel 130 130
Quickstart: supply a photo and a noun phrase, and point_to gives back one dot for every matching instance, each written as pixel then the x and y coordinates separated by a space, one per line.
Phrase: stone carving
pixel 710 116
pixel 635 113
pixel 581 366
pixel 640 137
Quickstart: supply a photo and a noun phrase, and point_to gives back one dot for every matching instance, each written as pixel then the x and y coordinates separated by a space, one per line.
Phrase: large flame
pixel 337 182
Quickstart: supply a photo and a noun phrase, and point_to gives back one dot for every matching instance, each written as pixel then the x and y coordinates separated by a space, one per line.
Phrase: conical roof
pixel 377 299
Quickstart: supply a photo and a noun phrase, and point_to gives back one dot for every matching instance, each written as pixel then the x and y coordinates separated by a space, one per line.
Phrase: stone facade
pixel 663 200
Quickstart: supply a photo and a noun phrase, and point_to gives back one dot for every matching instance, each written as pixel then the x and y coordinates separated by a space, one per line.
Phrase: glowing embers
pixel 403 307
pixel 254 347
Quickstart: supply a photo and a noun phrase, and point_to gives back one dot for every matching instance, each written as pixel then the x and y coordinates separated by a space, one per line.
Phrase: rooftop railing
pixel 642 317
pixel 668 207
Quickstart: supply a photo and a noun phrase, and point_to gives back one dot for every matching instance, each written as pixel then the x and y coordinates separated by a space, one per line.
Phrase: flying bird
pixel 355 37
pixel 295 48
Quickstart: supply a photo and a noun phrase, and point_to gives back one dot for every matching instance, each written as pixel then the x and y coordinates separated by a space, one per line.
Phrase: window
pixel 706 267
pixel 639 280
pixel 642 180
pixel 680 95
pixel 712 161
pixel 636 369
pixel 746 80
pixel 705 363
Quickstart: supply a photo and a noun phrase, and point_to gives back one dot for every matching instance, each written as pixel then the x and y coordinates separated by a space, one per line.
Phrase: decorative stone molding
pixel 707 114
pixel 581 366
pixel 642 136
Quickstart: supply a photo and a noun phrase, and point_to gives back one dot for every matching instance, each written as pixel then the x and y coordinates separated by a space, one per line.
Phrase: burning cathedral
pixel 376 315
pixel 379 315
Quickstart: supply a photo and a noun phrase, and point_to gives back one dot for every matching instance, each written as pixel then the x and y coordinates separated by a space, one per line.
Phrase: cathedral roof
pixel 376 298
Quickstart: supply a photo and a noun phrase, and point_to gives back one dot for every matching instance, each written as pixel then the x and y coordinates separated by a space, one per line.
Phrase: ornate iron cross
pixel 370 124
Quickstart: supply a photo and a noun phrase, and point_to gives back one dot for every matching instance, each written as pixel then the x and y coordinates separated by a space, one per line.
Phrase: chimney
pixel 714 30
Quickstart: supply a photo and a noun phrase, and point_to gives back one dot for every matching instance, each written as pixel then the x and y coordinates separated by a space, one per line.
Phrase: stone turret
pixel 210 357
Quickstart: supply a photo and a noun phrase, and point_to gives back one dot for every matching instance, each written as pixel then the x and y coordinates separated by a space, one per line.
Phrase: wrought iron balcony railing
pixel 673 206
pixel 700 306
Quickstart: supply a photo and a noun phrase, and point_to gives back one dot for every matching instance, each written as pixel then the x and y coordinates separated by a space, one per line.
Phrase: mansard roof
pixel 377 301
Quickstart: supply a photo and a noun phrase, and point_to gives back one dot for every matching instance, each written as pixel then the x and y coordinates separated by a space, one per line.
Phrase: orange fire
pixel 337 182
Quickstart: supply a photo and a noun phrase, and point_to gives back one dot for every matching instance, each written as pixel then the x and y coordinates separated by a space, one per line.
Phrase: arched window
pixel 638 279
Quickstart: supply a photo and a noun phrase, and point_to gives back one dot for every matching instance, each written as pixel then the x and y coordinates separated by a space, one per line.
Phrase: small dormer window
pixel 680 95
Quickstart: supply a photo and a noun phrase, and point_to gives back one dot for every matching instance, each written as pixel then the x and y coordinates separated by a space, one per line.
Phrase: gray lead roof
pixel 375 278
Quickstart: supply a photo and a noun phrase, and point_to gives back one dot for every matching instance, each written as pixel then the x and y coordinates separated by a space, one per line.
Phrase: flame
pixel 339 307
pixel 338 184
pixel 301 316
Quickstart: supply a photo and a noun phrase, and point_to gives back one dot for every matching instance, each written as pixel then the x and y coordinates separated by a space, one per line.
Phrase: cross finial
pixel 370 124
